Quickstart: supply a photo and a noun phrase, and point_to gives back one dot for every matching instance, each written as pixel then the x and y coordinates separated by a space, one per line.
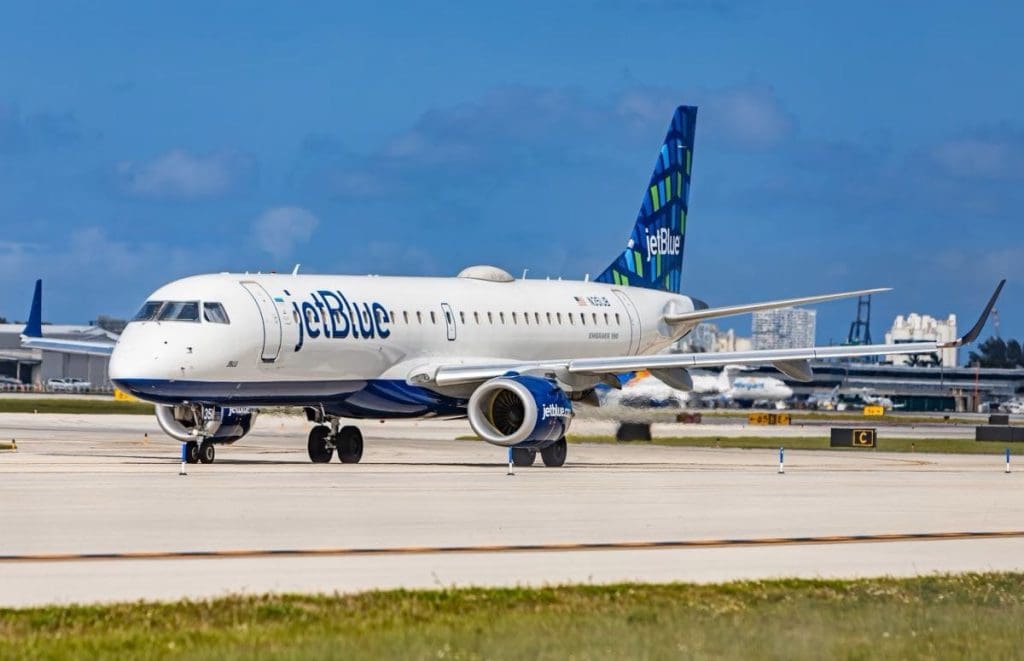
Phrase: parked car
pixel 10 383
pixel 68 384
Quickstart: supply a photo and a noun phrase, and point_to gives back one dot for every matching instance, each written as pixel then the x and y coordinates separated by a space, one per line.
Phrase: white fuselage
pixel 309 339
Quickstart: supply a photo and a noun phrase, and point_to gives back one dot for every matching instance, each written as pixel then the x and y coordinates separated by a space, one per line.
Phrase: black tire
pixel 554 454
pixel 207 453
pixel 523 456
pixel 320 450
pixel 192 452
pixel 350 445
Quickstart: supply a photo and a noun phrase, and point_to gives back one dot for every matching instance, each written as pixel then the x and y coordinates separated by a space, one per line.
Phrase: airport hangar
pixel 35 367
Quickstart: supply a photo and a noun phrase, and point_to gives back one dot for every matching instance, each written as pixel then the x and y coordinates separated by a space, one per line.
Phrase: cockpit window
pixel 179 311
pixel 148 311
pixel 215 313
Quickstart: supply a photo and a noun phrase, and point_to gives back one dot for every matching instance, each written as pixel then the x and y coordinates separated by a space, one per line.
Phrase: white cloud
pixel 279 230
pixel 179 174
pixel 992 157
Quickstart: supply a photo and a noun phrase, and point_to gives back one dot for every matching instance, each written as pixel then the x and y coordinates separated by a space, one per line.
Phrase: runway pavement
pixel 110 484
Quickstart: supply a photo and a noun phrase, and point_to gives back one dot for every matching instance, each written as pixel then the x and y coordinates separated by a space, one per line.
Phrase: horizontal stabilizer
pixel 713 313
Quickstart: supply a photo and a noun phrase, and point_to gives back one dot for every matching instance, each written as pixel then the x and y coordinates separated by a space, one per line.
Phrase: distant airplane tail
pixel 653 257
pixel 34 327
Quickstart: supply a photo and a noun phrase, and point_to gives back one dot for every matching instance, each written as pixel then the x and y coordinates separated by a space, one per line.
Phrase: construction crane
pixel 860 328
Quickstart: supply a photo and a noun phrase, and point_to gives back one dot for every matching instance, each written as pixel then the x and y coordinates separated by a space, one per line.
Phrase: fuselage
pixel 349 343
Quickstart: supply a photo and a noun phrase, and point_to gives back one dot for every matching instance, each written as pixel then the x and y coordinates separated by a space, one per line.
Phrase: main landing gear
pixel 553 455
pixel 324 440
pixel 196 452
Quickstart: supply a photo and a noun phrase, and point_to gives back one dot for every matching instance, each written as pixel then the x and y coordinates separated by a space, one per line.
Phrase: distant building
pixel 707 338
pixel 786 328
pixel 34 367
pixel 922 328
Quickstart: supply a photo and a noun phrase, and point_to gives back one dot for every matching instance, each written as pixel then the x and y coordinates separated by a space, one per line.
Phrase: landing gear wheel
pixel 523 456
pixel 206 452
pixel 554 454
pixel 192 452
pixel 320 449
pixel 350 445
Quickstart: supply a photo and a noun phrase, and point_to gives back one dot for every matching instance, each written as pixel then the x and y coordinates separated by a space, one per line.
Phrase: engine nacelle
pixel 524 411
pixel 212 423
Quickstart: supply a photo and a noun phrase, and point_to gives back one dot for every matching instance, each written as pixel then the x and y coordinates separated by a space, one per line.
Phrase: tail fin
pixel 654 255
pixel 34 327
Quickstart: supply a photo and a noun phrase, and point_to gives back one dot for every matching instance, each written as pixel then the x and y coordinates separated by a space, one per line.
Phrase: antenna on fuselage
pixel 586 277
pixel 295 271
pixel 525 271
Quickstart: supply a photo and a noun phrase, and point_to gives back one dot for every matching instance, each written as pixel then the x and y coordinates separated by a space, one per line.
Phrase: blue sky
pixel 839 145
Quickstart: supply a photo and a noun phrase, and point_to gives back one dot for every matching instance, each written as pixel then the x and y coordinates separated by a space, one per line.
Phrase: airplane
pixel 512 356
pixel 643 390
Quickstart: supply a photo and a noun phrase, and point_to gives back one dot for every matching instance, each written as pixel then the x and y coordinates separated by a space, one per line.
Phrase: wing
pixel 83 347
pixel 792 362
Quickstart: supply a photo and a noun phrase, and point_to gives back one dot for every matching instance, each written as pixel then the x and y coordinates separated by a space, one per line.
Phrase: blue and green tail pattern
pixel 653 258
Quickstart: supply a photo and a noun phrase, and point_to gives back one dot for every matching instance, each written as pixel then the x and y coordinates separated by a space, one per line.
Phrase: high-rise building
pixel 922 328
pixel 708 338
pixel 785 328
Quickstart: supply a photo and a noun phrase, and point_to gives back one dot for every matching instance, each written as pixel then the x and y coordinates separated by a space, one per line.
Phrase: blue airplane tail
pixel 653 257
pixel 34 327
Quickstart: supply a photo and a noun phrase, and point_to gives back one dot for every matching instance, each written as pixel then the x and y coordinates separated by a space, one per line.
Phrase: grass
pixel 943 445
pixel 956 616
pixel 72 405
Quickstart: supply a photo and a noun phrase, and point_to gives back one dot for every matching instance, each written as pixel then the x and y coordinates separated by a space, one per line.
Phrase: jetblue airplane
pixel 511 355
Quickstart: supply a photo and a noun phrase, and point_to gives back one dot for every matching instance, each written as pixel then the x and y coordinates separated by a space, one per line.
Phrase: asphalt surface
pixel 109 484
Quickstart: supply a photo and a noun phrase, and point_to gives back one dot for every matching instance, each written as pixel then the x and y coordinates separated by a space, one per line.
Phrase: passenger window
pixel 215 313
pixel 462 317
pixel 595 318
pixel 295 315
pixel 536 317
pixel 490 318
pixel 549 318
pixel 583 318
pixel 419 317
pixel 605 318
pixel 148 311
pixel 526 318
pixel 433 317
pixel 558 316
pixel 515 318
pixel 501 315
pixel 617 322
pixel 405 316
pixel 571 322
pixel 476 317
pixel 448 316
pixel 309 315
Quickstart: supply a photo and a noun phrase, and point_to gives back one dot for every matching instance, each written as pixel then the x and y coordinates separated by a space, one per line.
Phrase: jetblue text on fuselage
pixel 663 242
pixel 331 315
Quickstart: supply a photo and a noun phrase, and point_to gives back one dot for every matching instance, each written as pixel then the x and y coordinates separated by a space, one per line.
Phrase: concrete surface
pixel 110 483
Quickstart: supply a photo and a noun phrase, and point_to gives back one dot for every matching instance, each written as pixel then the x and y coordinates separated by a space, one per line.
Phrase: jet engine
pixel 213 423
pixel 521 411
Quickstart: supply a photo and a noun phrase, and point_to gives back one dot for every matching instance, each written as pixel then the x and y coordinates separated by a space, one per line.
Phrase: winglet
pixel 975 331
pixel 34 327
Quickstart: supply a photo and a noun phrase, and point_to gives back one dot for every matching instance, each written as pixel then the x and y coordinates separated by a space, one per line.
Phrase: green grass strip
pixel 969 616
pixel 72 405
